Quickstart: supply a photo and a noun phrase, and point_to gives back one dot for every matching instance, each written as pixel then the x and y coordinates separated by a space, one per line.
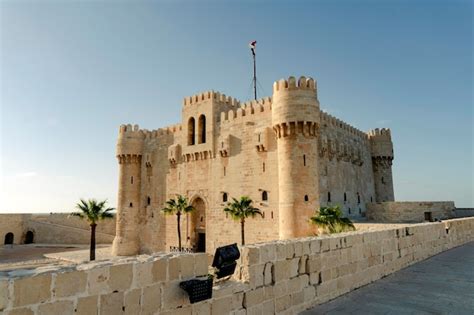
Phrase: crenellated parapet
pixel 295 107
pixel 129 144
pixel 210 95
pixel 381 146
pixel 248 110
pixel 334 122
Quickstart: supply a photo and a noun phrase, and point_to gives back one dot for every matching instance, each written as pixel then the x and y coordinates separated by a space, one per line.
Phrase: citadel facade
pixel 283 152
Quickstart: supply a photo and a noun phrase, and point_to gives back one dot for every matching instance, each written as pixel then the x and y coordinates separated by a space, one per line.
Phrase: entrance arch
pixel 29 237
pixel 9 238
pixel 198 225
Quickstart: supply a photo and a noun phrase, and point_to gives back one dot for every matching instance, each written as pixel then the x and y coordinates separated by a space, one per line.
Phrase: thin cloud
pixel 383 122
pixel 26 174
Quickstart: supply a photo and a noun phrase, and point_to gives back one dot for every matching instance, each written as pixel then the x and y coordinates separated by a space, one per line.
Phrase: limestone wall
pixel 12 223
pixel 409 211
pixel 54 228
pixel 276 277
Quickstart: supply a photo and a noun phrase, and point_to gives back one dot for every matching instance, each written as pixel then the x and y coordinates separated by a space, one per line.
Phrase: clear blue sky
pixel 73 71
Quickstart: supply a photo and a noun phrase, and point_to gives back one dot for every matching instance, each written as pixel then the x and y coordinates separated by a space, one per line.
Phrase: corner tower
pixel 129 155
pixel 295 120
pixel 381 147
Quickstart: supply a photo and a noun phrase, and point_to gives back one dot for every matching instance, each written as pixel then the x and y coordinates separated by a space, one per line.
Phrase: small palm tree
pixel 330 218
pixel 93 211
pixel 178 206
pixel 240 210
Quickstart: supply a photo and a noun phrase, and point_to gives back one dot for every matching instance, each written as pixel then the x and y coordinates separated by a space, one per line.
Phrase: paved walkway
pixel 443 284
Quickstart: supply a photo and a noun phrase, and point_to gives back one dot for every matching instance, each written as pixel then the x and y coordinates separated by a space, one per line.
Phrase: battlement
pixel 303 83
pixel 380 133
pixel 254 107
pixel 129 131
pixel 210 95
pixel 337 123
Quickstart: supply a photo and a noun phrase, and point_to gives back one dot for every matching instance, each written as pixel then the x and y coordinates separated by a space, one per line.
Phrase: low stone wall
pixel 275 277
pixel 464 212
pixel 54 228
pixel 409 211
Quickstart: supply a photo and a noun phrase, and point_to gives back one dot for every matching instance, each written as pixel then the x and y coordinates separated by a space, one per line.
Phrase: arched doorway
pixel 29 237
pixel 198 225
pixel 9 238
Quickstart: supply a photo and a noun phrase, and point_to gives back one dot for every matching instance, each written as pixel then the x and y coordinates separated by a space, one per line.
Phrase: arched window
pixel 349 210
pixel 131 204
pixel 306 198
pixel 383 181
pixel 264 196
pixel 224 197
pixel 148 200
pixel 345 197
pixel 358 198
pixel 29 237
pixel 9 237
pixel 304 159
pixel 202 129
pixel 191 131
pixel 131 180
pixel 263 167
pixel 329 196
pixel 371 199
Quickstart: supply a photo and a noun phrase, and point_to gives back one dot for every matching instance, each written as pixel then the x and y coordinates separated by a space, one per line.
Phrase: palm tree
pixel 93 211
pixel 240 210
pixel 330 218
pixel 178 206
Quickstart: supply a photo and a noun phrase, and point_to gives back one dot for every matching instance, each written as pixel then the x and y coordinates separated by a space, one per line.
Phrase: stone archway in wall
pixel 9 237
pixel 197 225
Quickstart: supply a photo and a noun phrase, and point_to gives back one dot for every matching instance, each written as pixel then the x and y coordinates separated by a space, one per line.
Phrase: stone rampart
pixel 276 277
pixel 410 211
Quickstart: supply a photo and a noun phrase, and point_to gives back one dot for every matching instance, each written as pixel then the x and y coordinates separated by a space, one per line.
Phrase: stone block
pixel 268 293
pixel 253 297
pixel 295 285
pixel 59 307
pixel 87 305
pixel 151 299
pixel 173 296
pixel 335 243
pixel 31 290
pixel 267 253
pixel 315 278
pixel 97 280
pixel 237 300
pixel 201 308
pixel 280 289
pixel 267 274
pixel 187 310
pixel 186 266
pixel 3 294
pixel 313 265
pixel 255 310
pixel 120 277
pixel 268 307
pixel 142 274
pixel 21 311
pixel 294 266
pixel 297 298
pixel 325 245
pixel 282 303
pixel 159 270
pixel 221 306
pixel 256 275
pixel 315 246
pixel 201 266
pixel 306 247
pixel 111 303
pixel 250 255
pixel 70 283
pixel 173 268
pixel 298 246
pixel 309 293
pixel 132 301
pixel 281 271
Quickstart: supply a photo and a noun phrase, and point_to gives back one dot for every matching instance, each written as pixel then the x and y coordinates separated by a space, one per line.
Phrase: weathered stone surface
pixel 132 301
pixel 111 303
pixel 151 300
pixel 21 311
pixel 60 307
pixel 3 294
pixel 70 283
pixel 121 277
pixel 97 280
pixel 32 290
pixel 87 305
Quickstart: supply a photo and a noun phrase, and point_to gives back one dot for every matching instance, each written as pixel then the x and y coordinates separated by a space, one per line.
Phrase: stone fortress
pixel 282 151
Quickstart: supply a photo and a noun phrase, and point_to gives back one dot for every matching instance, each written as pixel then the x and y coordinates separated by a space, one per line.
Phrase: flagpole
pixel 254 75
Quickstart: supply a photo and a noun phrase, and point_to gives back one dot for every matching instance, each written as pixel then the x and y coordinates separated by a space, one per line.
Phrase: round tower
pixel 381 147
pixel 129 155
pixel 295 120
